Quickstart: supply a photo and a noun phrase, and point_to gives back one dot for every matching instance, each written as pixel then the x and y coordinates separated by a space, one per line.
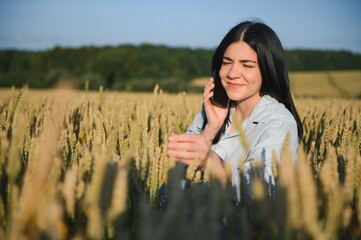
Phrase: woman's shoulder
pixel 269 109
pixel 198 123
pixel 273 120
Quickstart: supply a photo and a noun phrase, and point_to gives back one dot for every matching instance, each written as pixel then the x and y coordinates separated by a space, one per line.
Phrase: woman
pixel 251 65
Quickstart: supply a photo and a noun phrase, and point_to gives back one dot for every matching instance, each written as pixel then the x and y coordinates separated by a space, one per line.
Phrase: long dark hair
pixel 271 60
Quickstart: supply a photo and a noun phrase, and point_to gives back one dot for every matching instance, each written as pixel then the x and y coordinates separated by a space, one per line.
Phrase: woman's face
pixel 240 73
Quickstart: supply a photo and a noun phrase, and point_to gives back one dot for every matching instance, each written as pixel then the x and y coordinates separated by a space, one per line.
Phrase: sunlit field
pixel 332 84
pixel 90 165
pixel 317 84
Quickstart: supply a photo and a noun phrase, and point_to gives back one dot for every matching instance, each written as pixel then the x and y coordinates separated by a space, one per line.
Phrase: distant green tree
pixel 315 60
pixel 130 67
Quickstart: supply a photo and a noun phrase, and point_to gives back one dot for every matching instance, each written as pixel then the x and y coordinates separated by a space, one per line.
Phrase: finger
pixel 196 144
pixel 183 137
pixel 209 87
pixel 179 160
pixel 207 96
pixel 210 81
pixel 186 162
pixel 185 146
pixel 181 155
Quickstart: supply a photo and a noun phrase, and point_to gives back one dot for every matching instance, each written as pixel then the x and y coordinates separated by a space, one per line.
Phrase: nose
pixel 234 72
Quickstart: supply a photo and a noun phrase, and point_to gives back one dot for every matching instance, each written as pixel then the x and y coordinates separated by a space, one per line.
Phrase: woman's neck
pixel 245 107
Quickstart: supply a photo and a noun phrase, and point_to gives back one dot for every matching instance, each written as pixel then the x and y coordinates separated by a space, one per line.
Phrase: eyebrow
pixel 242 60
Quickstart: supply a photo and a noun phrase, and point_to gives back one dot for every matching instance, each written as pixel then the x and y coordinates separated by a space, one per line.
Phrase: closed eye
pixel 247 66
pixel 226 60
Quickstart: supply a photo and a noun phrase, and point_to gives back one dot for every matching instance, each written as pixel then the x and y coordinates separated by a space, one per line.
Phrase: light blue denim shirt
pixel 266 128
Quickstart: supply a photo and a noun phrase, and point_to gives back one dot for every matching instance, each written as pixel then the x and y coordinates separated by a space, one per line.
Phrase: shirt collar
pixel 256 117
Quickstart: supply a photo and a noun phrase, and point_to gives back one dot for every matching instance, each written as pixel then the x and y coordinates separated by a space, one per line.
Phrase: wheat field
pixel 319 84
pixel 90 165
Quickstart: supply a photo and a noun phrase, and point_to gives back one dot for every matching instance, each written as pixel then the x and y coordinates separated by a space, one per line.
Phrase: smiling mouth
pixel 235 85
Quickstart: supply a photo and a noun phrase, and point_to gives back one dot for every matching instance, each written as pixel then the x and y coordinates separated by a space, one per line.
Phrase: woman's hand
pixel 215 114
pixel 187 147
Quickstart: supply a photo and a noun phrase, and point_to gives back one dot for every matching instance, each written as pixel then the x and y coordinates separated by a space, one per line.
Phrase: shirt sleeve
pixel 196 126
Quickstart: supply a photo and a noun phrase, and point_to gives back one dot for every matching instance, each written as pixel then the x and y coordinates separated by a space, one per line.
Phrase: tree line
pixel 138 68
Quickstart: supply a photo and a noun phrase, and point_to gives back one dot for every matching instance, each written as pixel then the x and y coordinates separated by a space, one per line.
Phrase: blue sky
pixel 43 24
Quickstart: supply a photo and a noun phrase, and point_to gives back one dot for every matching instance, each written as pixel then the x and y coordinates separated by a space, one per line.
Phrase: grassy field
pixel 89 165
pixel 332 84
